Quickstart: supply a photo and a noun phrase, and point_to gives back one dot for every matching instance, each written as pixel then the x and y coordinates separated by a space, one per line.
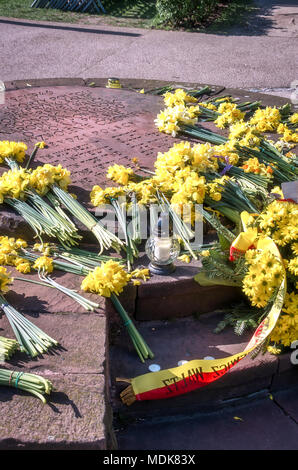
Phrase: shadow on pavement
pixel 69 28
pixel 262 19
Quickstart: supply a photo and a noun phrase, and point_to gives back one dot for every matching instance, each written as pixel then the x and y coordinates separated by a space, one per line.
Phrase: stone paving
pixel 263 422
pixel 87 129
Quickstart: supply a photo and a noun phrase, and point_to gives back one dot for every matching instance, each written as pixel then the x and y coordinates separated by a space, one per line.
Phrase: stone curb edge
pixel 126 83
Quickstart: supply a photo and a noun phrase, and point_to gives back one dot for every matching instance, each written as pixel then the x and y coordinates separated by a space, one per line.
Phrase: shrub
pixel 184 12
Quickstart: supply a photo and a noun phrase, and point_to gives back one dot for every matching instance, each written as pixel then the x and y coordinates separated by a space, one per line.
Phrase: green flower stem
pixel 204 90
pixel 56 204
pixel 13 165
pixel 80 270
pixel 66 232
pixel 86 260
pixel 143 350
pixel 105 238
pixel 136 222
pixel 216 224
pixel 202 134
pixel 87 304
pixel 32 156
pixel 130 245
pixel 183 231
pixel 284 170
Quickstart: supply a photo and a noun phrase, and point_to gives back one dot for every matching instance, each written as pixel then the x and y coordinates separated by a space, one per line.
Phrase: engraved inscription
pixel 86 130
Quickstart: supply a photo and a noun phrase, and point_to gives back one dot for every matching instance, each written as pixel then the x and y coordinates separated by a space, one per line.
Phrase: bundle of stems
pixel 31 383
pixel 200 133
pixel 13 164
pixel 223 209
pixel 56 204
pixel 141 347
pixel 283 169
pixel 216 100
pixel 289 124
pixel 66 231
pixel 105 238
pixel 236 197
pixel 47 281
pixel 284 165
pixel 136 235
pixel 249 106
pixel 180 227
pixel 31 339
pixel 37 221
pixel 7 347
pixel 208 114
pixel 202 91
pixel 80 261
pixel 84 257
pixel 50 221
pixel 233 196
pixel 76 268
pixel 159 90
pixel 285 112
pixel 130 245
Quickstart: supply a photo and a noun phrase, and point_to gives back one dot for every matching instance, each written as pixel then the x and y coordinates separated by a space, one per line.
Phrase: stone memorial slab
pixel 86 129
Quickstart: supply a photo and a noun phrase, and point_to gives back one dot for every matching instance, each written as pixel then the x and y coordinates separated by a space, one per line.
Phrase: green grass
pixel 122 12
pixel 129 13
pixel 144 9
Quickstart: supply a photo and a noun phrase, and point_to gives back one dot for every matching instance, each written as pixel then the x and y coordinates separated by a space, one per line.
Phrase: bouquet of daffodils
pixel 108 280
pixel 17 191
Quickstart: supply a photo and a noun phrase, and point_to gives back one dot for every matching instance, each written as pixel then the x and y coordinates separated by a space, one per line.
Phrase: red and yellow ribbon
pixel 200 372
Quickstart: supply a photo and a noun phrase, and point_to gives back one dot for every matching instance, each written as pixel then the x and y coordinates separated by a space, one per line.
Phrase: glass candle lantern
pixel 161 248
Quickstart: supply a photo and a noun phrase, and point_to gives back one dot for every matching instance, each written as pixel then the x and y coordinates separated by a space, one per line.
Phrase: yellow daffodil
pixel 13 150
pixel 5 280
pixel 266 120
pixel 44 264
pixel 120 174
pixel 108 278
pixel 41 145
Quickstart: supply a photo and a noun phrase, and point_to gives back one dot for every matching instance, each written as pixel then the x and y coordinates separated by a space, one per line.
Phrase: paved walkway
pixel 261 54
